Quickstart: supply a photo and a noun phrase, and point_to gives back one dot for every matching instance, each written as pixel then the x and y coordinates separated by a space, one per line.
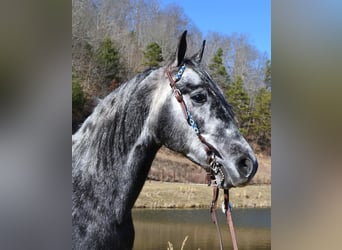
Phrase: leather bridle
pixel 214 172
pixel 179 97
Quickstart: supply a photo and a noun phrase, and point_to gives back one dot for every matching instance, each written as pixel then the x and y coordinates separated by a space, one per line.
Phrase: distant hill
pixel 172 167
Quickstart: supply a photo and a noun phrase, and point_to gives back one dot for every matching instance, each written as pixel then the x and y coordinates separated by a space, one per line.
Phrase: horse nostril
pixel 247 167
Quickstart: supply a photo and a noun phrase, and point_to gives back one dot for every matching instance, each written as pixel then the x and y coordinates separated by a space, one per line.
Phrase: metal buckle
pixel 216 171
pixel 178 94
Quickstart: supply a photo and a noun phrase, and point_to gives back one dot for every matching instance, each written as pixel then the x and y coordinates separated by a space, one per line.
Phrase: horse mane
pixel 112 113
pixel 108 146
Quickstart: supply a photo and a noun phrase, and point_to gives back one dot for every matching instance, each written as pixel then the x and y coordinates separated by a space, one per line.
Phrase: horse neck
pixel 115 145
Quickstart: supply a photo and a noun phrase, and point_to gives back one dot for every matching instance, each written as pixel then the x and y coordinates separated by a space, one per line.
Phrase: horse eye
pixel 199 98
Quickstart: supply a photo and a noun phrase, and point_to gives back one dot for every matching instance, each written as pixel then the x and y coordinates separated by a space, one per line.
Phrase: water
pixel 154 228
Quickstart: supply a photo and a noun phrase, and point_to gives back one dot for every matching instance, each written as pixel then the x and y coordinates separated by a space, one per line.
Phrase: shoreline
pixel 156 194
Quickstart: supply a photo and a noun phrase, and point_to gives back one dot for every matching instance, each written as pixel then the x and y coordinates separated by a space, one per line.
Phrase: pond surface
pixel 154 228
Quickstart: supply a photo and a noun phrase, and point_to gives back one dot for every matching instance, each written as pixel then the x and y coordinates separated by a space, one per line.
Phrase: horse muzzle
pixel 239 172
pixel 247 167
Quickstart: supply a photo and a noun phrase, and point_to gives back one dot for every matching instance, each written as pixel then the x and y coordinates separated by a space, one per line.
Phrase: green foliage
pixel 262 118
pixel 81 107
pixel 152 55
pixel 238 97
pixel 108 59
pixel 253 122
pixel 78 99
pixel 267 78
pixel 218 70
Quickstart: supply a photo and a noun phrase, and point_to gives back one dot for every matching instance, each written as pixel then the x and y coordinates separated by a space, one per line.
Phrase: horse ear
pixel 180 54
pixel 198 56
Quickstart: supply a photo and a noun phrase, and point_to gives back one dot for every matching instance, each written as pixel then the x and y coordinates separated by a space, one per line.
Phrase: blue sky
pixel 252 17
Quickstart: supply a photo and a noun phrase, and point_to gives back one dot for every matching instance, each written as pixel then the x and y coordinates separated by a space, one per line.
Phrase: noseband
pixel 215 175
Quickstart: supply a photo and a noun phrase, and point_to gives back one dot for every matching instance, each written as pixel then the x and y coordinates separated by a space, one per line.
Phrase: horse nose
pixel 247 166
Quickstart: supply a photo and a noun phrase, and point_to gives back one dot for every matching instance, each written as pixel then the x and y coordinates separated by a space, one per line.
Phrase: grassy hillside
pixel 176 182
pixel 171 167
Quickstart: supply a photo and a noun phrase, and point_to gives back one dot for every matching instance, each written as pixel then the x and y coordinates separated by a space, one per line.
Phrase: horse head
pixel 200 124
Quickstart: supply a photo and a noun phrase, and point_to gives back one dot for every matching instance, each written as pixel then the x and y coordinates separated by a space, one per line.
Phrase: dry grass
pixel 170 246
pixel 186 195
pixel 180 191
pixel 172 167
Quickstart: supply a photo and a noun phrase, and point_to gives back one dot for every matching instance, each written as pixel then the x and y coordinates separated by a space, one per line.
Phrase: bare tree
pixel 214 42
pixel 133 24
pixel 246 61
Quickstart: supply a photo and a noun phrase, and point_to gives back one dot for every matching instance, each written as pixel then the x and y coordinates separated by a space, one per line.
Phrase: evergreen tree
pixel 218 70
pixel 152 55
pixel 78 102
pixel 238 97
pixel 262 119
pixel 267 78
pixel 78 99
pixel 108 58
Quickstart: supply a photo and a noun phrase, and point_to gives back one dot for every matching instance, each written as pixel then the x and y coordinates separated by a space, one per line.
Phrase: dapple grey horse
pixel 114 148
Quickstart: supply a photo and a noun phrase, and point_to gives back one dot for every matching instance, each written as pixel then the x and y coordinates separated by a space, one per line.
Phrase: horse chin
pixel 226 182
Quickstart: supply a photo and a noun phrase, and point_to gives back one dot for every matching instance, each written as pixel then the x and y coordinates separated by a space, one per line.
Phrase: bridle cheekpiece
pixel 215 173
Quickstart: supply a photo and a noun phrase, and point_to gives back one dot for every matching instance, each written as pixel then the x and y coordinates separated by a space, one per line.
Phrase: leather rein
pixel 214 175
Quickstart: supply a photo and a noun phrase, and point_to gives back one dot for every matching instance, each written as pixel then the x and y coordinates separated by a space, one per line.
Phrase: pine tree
pixel 78 102
pixel 267 78
pixel 262 119
pixel 218 70
pixel 238 97
pixel 108 58
pixel 152 55
pixel 78 99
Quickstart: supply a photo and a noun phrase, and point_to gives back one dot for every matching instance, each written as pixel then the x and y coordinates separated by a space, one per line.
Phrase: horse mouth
pixel 223 179
pixel 217 174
